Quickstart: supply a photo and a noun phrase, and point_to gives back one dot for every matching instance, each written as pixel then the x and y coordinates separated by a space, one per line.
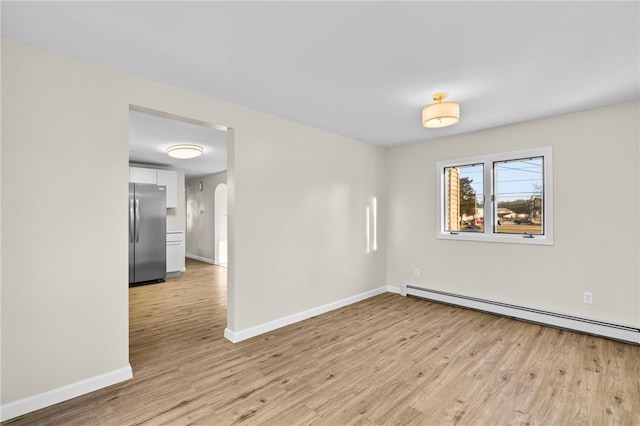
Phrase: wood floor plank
pixel 385 360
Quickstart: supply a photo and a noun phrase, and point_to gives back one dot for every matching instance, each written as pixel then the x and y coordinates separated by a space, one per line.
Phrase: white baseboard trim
pixel 200 258
pixel 394 289
pixel 64 393
pixel 584 325
pixel 247 333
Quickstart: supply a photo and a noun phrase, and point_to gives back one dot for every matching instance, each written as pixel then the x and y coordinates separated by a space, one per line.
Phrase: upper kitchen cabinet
pixel 168 178
pixel 142 175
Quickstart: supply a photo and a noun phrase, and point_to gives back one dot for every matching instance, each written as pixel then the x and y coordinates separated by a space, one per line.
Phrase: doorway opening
pixel 198 288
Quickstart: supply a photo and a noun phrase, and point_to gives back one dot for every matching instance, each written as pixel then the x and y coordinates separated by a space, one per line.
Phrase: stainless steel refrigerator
pixel 147 234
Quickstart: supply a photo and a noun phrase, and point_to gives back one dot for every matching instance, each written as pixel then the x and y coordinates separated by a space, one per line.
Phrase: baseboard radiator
pixel 598 328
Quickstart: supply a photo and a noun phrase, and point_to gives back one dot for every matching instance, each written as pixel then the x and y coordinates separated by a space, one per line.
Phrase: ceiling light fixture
pixel 440 114
pixel 184 151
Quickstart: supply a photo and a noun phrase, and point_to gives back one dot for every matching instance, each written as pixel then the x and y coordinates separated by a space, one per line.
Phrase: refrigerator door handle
pixel 137 224
pixel 131 220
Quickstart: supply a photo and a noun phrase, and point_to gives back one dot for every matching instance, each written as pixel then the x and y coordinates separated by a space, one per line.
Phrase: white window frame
pixel 489 206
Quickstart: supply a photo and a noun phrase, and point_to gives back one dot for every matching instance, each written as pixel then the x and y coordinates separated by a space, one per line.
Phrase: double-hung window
pixel 505 197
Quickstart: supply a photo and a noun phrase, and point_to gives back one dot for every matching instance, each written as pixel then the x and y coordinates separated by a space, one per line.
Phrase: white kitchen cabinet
pixel 169 178
pixel 142 175
pixel 175 252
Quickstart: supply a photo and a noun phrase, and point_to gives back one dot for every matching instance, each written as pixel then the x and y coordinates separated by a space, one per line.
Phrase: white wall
pixel 64 171
pixel 596 186
pixel 300 199
pixel 200 215
pixel 296 222
pixel 221 240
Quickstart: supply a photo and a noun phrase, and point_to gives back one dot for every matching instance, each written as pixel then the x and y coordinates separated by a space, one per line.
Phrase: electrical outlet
pixel 587 298
pixel 416 272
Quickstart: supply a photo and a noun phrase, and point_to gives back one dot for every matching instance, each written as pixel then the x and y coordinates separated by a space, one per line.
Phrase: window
pixel 464 199
pixel 503 197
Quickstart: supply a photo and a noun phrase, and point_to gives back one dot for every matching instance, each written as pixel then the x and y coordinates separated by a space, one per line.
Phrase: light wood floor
pixel 386 360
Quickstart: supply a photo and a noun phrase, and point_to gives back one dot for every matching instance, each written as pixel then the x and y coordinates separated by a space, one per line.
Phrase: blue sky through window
pixel 519 179
pixel 515 179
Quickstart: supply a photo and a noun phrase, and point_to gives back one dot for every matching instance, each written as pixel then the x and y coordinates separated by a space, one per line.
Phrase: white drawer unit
pixel 175 251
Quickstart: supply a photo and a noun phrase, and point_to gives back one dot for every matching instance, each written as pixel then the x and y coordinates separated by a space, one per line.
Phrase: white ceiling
pixel 359 69
pixel 151 134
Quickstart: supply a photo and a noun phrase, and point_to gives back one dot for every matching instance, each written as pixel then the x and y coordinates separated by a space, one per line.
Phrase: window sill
pixel 493 238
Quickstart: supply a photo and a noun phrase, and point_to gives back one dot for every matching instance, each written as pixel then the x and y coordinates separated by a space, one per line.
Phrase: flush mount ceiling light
pixel 440 114
pixel 184 151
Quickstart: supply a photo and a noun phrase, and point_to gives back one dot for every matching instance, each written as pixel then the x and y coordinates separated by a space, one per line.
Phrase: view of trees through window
pixel 518 191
